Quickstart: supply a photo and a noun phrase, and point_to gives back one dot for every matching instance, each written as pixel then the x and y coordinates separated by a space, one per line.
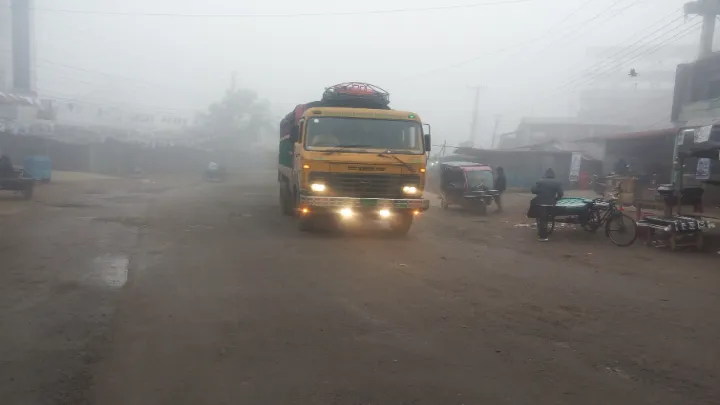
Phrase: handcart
pixel 592 215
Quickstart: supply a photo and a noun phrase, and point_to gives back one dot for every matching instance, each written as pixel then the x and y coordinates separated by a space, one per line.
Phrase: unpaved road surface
pixel 124 292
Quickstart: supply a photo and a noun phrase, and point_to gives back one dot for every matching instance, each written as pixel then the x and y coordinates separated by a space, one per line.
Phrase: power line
pixel 655 48
pixel 551 30
pixel 624 51
pixel 598 66
pixel 328 14
pixel 636 56
pixel 573 34
pixel 574 12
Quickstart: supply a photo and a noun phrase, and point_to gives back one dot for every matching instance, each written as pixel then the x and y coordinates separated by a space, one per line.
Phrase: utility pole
pixel 473 126
pixel 21 14
pixel 709 10
pixel 495 128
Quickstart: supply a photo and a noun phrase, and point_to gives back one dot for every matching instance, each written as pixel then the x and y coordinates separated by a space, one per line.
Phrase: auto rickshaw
pixel 468 185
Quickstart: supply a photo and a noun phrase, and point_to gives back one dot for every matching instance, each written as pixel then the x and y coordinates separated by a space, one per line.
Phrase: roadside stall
pixel 694 190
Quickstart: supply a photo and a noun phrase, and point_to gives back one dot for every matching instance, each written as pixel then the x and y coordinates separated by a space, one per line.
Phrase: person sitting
pixel 547 191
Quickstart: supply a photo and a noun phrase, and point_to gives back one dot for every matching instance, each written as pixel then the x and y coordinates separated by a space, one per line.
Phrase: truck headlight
pixel 410 190
pixel 317 187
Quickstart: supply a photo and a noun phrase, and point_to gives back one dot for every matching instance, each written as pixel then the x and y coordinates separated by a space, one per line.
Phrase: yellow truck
pixel 349 157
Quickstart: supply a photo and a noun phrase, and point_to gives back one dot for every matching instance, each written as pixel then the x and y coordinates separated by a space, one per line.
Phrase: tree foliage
pixel 239 118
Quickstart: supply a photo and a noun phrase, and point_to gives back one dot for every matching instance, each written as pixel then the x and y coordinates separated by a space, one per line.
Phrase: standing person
pixel 547 191
pixel 500 186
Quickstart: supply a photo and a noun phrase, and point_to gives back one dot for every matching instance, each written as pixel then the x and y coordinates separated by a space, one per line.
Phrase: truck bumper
pixel 379 203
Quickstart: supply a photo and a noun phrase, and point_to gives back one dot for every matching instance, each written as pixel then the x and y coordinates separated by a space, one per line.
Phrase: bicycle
pixel 592 215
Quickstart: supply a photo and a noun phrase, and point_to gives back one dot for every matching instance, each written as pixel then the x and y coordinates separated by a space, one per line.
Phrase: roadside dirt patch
pixel 149 189
pixel 129 221
pixel 95 191
pixel 74 205
pixel 126 199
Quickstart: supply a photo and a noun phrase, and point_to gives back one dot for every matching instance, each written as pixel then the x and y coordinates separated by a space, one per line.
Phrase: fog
pixel 180 55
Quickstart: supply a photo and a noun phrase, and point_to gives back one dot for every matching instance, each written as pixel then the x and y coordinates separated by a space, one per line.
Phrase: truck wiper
pixel 412 170
pixel 341 148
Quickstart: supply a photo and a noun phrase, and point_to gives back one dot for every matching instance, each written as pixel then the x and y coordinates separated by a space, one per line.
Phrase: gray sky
pixel 185 62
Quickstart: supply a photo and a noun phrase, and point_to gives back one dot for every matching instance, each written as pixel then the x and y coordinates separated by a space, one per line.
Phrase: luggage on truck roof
pixel 356 95
pixel 348 95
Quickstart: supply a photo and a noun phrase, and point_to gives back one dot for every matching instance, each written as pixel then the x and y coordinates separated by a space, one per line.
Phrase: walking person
pixel 547 191
pixel 500 186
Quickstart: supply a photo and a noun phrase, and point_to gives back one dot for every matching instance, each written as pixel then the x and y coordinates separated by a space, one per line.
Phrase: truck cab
pixel 353 163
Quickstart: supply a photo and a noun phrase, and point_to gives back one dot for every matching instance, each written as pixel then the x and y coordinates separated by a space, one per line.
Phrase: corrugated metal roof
pixel 652 133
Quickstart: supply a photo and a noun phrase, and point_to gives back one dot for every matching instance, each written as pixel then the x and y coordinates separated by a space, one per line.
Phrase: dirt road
pixel 126 292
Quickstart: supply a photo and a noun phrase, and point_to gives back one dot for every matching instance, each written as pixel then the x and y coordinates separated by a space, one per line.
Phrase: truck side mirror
pixel 294 133
pixel 427 143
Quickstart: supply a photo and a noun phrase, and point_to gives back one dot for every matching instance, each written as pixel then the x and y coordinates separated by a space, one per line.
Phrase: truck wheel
pixel 306 223
pixel 285 202
pixel 400 224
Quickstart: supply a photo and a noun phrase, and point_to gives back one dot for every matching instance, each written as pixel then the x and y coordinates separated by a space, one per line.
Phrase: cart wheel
pixel 650 237
pixel 621 230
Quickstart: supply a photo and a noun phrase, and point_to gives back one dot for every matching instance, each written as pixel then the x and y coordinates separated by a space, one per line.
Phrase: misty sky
pixel 184 63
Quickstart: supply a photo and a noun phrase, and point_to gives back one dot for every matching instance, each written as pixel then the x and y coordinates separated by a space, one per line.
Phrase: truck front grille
pixel 362 185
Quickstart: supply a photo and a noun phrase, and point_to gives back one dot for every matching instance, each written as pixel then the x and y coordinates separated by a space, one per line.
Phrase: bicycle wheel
pixel 621 230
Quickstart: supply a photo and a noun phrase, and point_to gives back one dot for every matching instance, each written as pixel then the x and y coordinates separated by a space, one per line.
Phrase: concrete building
pixel 533 131
pixel 697 92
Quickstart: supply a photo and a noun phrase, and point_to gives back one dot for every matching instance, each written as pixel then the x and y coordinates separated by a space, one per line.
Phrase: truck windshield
pixel 478 178
pixel 362 133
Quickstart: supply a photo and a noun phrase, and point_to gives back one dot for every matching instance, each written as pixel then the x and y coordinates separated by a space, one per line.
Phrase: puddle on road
pixel 112 270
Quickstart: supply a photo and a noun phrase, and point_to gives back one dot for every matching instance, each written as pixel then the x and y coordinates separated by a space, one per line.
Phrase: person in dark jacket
pixel 500 186
pixel 547 191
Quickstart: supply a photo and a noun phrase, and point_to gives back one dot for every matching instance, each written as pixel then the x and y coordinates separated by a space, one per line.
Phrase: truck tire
pixel 401 223
pixel 306 223
pixel 286 205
